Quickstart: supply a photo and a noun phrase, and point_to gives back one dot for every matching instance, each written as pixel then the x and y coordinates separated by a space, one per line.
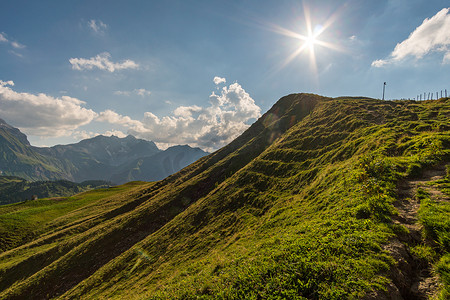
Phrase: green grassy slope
pixel 299 206
pixel 25 221
pixel 435 217
pixel 15 189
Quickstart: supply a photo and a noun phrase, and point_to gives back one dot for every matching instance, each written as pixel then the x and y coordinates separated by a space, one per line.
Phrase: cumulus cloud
pixel 114 118
pixel 41 114
pixel 102 61
pixel 97 26
pixel 139 92
pixel 218 80
pixel 433 35
pixel 210 127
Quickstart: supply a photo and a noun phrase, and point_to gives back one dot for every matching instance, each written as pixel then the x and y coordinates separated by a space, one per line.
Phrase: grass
pixel 24 221
pixel 435 217
pixel 15 189
pixel 290 210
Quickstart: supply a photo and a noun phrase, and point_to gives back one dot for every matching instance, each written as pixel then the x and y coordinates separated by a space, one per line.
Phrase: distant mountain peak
pixel 15 132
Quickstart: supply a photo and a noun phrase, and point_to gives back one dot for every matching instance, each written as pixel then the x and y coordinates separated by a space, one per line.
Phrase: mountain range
pixel 321 198
pixel 100 158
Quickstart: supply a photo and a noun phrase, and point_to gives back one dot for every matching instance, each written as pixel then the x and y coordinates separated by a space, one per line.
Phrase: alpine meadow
pixel 321 198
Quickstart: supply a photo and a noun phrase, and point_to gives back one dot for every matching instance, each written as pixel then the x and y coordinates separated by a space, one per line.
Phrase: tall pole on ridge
pixel 384 85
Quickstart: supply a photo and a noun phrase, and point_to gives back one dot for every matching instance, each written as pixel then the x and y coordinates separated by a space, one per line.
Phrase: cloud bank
pixel 43 115
pixel 433 35
pixel 102 61
pixel 207 127
pixel 228 114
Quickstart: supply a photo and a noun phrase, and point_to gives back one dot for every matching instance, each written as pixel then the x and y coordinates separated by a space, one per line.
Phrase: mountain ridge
pixel 97 158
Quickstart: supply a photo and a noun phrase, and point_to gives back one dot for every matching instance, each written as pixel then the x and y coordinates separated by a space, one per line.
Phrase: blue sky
pixel 199 72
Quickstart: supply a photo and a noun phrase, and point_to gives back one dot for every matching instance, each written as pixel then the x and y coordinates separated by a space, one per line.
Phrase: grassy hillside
pixel 15 189
pixel 25 221
pixel 301 206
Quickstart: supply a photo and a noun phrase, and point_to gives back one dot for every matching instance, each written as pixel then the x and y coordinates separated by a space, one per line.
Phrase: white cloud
pixel 14 44
pixel 17 45
pixel 208 127
pixel 139 92
pixel 122 93
pixel 41 114
pixel 114 118
pixel 102 61
pixel 4 83
pixel 447 58
pixel 82 135
pixel 142 92
pixel 97 26
pixel 433 35
pixel 114 132
pixel 218 80
pixel 379 63
pixel 15 53
pixel 3 37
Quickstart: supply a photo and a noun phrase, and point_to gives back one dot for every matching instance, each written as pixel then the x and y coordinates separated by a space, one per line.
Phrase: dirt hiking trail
pixel 413 277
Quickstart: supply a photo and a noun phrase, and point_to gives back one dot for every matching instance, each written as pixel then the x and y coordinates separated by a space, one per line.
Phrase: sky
pixel 201 72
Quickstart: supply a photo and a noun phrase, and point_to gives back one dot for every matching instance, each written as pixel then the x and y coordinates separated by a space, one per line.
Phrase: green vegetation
pixel 22 222
pixel 298 207
pixel 15 189
pixel 435 217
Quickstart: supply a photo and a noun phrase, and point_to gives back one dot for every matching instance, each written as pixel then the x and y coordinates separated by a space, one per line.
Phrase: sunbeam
pixel 308 41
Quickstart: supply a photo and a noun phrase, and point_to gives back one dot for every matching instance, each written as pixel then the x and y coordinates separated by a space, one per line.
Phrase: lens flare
pixel 307 42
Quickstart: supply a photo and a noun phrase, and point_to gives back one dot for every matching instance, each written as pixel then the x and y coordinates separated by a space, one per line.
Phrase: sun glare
pixel 308 41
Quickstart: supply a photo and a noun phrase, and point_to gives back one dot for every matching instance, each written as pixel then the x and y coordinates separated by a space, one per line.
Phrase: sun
pixel 308 38
pixel 310 41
